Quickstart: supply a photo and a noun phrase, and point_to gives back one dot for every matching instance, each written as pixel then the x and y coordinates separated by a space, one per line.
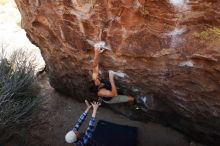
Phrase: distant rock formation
pixel 169 48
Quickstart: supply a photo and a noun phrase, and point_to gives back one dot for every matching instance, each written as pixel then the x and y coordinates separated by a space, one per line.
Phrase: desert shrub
pixel 18 94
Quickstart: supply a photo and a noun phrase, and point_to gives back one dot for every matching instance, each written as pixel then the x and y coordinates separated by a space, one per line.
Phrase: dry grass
pixel 18 94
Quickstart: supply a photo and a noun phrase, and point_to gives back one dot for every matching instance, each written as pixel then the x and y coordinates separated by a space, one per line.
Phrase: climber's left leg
pixel 120 99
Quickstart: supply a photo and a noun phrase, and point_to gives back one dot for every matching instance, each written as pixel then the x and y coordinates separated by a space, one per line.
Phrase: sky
pixel 12 37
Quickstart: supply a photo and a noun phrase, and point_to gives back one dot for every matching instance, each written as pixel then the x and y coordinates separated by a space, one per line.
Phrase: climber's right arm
pixel 95 67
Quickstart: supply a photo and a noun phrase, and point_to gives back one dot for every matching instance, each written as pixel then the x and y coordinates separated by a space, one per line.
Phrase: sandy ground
pixel 59 113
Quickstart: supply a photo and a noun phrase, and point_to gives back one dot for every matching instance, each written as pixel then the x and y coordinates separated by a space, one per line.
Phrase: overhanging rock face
pixel 169 48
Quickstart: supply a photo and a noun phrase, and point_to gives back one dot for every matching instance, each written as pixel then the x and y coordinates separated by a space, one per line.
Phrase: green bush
pixel 18 94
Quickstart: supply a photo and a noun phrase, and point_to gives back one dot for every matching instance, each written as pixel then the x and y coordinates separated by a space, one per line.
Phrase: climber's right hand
pixel 100 46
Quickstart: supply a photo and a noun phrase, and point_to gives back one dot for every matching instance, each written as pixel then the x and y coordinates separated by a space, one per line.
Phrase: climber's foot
pixel 142 101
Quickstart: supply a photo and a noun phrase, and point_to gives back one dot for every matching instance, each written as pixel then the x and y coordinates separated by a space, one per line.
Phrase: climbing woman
pixel 107 90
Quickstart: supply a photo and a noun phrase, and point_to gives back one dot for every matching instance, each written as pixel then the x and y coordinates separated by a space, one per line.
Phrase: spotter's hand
pixel 87 104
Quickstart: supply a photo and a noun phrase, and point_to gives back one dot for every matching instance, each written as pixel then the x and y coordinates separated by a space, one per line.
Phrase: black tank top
pixel 107 85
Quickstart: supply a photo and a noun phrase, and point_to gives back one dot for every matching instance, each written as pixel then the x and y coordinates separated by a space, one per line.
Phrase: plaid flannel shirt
pixel 89 132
